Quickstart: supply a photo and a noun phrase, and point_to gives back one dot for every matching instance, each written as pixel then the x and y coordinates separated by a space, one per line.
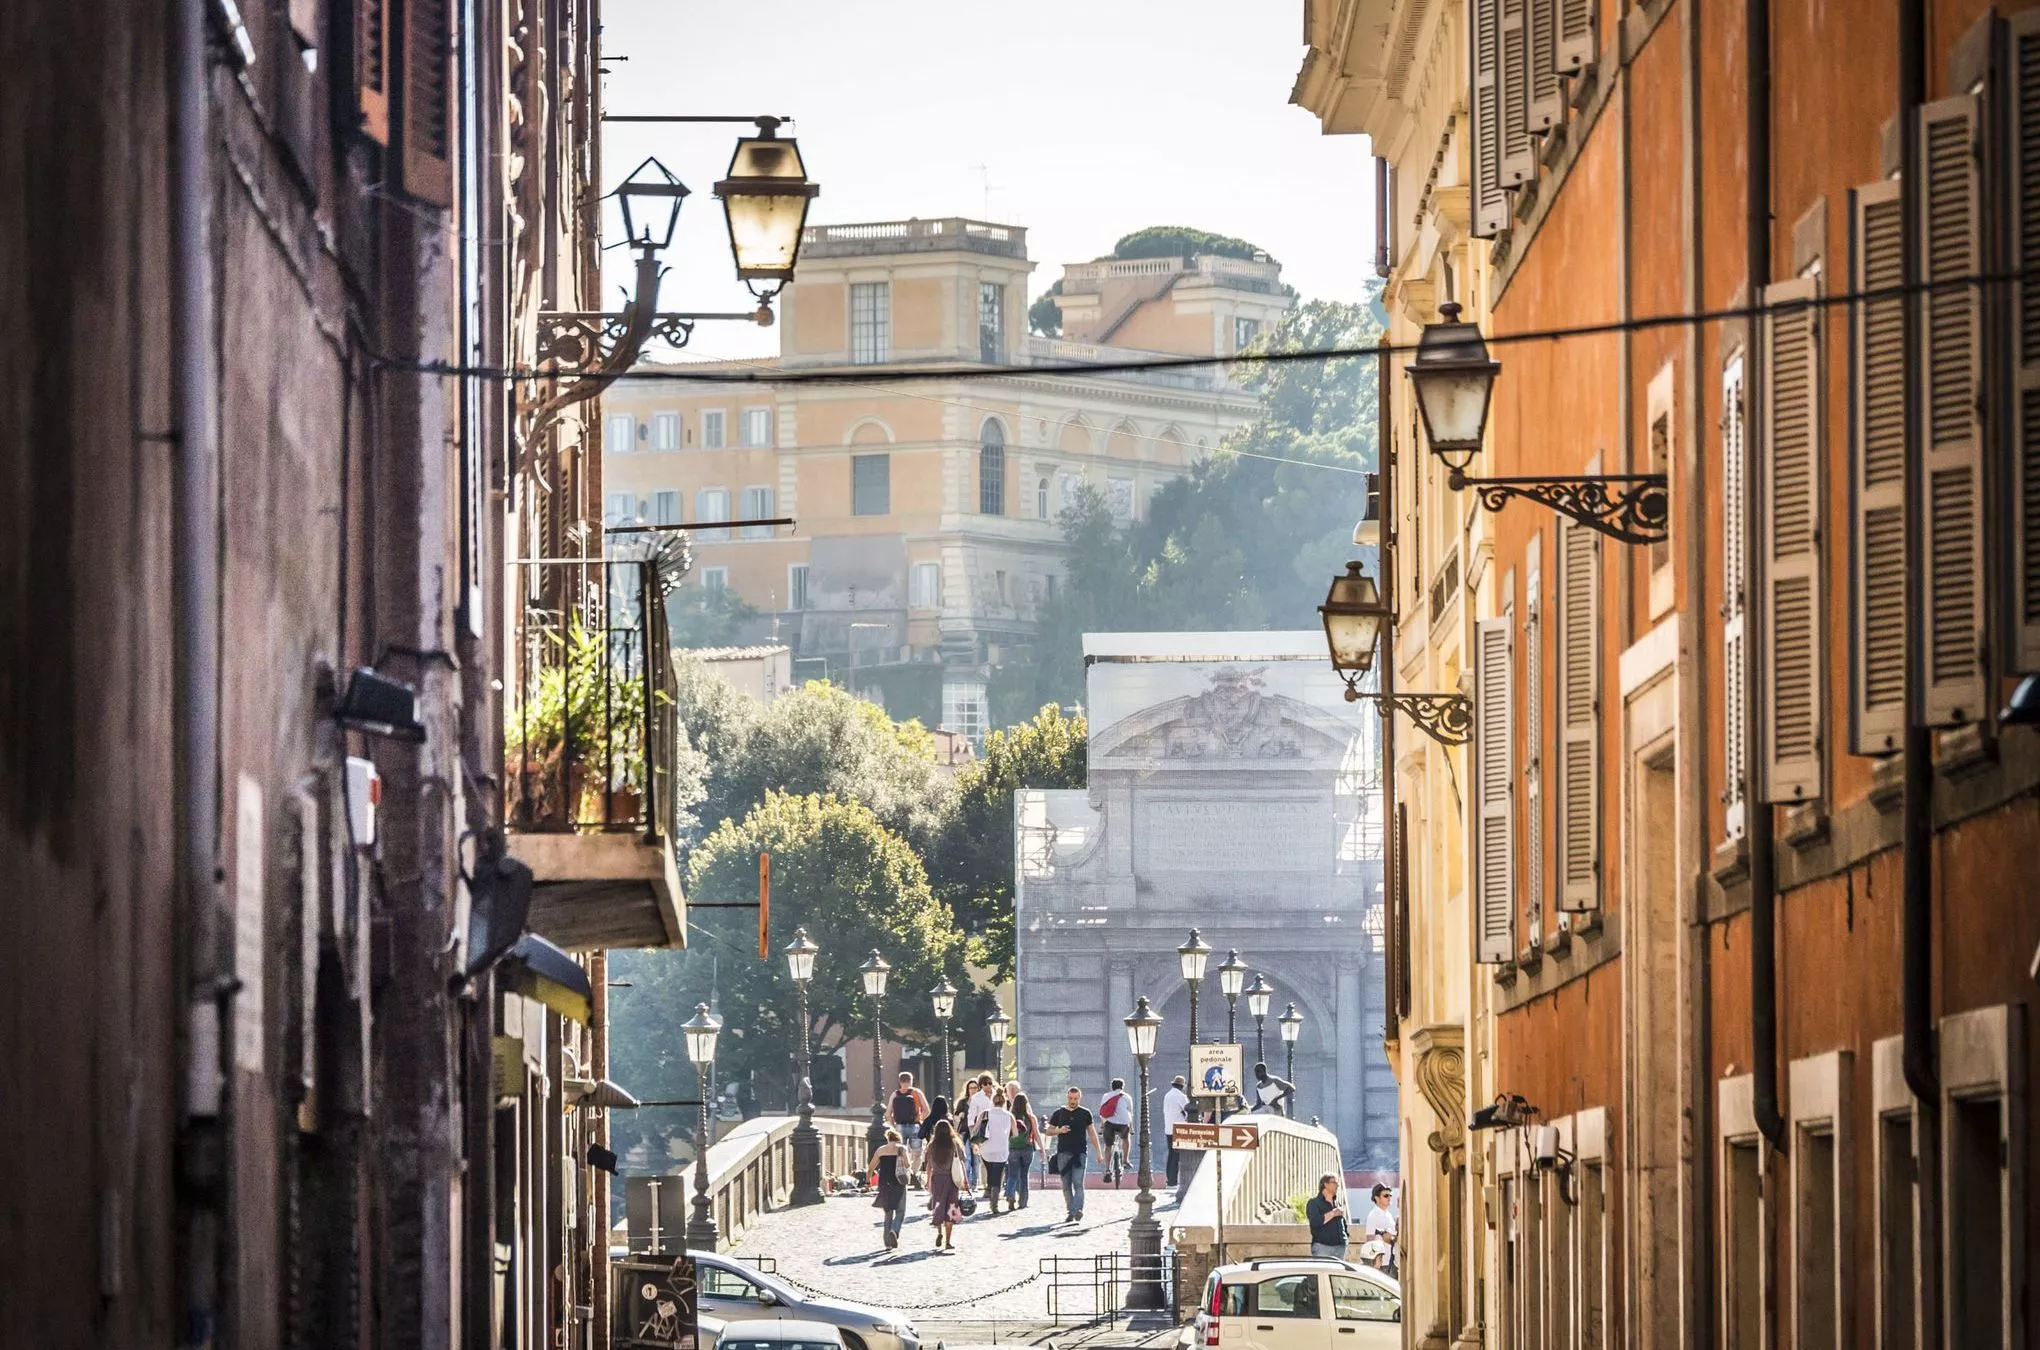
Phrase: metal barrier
pixel 1093 1288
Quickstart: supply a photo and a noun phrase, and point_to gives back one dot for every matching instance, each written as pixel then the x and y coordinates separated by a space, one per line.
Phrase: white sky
pixel 1092 118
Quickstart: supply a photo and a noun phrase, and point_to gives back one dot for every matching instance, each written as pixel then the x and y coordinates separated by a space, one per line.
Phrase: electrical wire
pixel 857 375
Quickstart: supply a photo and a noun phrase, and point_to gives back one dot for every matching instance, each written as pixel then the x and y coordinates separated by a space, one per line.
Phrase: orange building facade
pixel 1749 912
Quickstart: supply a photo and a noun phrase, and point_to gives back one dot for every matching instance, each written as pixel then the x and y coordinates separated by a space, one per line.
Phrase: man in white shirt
pixel 1381 1225
pixel 1175 1110
pixel 974 1111
pixel 1115 1113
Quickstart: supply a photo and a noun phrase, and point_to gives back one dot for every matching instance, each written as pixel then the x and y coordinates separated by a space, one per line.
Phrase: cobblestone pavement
pixel 839 1248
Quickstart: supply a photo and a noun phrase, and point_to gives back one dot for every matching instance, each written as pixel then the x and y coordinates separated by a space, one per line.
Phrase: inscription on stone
pixel 1206 836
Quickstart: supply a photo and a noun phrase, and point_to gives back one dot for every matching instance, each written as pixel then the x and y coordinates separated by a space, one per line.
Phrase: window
pixel 1119 498
pixel 1494 791
pixel 755 430
pixel 757 506
pixel 991 322
pixel 1896 1172
pixel 1558 1262
pixel 1041 499
pixel 963 709
pixel 1244 331
pixel 870 485
pixel 1510 1243
pixel 666 431
pixel 1578 797
pixel 712 504
pixel 796 586
pixel 1982 1175
pixel 619 508
pixel 712 434
pixel 870 322
pixel 1049 583
pixel 924 586
pixel 717 1282
pixel 1592 1274
pixel 665 508
pixel 715 580
pixel 1741 1241
pixel 619 432
pixel 1287 1296
pixel 1358 1300
pixel 992 470
pixel 1823 1296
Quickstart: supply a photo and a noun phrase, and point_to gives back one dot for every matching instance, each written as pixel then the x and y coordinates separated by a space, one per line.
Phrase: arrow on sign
pixel 1194 1135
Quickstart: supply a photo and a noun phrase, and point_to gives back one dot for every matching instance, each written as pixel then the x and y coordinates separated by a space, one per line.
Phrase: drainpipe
pixel 1382 246
pixel 195 591
pixel 1761 833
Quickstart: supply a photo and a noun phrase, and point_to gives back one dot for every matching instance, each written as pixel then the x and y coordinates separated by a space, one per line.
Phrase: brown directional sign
pixel 1194 1135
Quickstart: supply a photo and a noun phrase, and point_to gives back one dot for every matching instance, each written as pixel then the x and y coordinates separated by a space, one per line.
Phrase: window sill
pixel 1805 825
pixel 1966 752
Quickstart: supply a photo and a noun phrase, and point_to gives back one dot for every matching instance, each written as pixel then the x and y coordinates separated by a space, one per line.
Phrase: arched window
pixel 1041 499
pixel 992 470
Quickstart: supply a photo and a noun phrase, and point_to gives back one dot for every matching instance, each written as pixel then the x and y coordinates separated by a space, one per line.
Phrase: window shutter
pixel 1579 740
pixel 1533 738
pixel 1735 756
pixel 1950 431
pixel 1877 462
pixel 427 106
pixel 372 67
pixel 1401 993
pixel 1494 776
pixel 2022 140
pixel 1790 625
pixel 1519 146
pixel 1547 95
pixel 1576 36
pixel 1484 108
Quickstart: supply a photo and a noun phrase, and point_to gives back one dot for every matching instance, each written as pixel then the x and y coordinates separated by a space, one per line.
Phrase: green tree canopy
pixel 1181 241
pixel 973 858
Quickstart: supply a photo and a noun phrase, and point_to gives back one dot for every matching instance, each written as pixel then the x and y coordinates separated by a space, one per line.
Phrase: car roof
pixel 788 1329
pixel 1253 1272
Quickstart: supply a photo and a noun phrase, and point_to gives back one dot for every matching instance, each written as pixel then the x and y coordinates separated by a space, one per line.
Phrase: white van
pixel 1298 1303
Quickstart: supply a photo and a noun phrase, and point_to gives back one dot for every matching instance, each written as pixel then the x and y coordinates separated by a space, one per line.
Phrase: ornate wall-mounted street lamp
pixel 1291 1023
pixel 807 1140
pixel 943 997
pixel 1454 380
pixel 1232 979
pixel 1144 1236
pixel 1355 614
pixel 765 197
pixel 874 971
pixel 1258 995
pixel 700 1031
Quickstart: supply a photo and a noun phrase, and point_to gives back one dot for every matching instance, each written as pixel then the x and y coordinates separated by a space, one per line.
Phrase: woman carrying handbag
pixel 946 1184
pixel 1022 1143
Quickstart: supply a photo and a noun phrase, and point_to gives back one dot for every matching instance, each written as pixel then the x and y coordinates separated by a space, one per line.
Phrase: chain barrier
pixel 966 1302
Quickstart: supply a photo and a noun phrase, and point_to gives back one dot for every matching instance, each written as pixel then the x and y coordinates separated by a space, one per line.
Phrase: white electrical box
pixel 364 795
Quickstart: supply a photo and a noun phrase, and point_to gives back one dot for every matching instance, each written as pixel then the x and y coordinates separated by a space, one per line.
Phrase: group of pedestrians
pixel 1330 1233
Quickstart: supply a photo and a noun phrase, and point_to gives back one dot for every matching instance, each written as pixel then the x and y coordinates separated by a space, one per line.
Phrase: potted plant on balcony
pixel 574 744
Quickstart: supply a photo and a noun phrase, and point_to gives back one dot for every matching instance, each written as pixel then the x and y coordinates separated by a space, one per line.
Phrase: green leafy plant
pixel 579 732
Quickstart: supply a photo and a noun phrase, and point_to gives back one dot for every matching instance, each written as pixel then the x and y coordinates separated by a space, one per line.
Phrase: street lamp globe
pixel 650 199
pixel 1258 995
pixel 1232 976
pixel 998 1026
pixel 1143 1029
pixel 1454 380
pixel 701 1031
pixel 800 956
pixel 943 996
pixel 765 197
pixel 1194 954
pixel 874 971
pixel 1291 1023
pixel 1353 613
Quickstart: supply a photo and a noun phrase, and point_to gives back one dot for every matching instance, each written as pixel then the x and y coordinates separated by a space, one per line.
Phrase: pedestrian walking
pixel 1115 1117
pixel 1022 1143
pixel 908 1109
pixel 1381 1226
pixel 888 1162
pixel 1327 1216
pixel 946 1184
pixel 978 1102
pixel 1175 1110
pixel 938 1111
pixel 995 1146
pixel 1074 1130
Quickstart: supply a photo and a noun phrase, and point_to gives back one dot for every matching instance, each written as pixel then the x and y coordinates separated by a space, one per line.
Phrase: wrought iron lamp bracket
pixel 1632 508
pixel 1445 718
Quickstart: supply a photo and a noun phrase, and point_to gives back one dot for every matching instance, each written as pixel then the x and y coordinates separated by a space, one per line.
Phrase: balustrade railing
pixel 750 1169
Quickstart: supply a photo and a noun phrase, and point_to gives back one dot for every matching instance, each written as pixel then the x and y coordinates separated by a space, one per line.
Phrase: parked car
pixel 790 1334
pixel 1298 1303
pixel 733 1292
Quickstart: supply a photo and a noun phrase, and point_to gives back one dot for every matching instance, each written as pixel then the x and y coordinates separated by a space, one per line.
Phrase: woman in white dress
pixel 994 1136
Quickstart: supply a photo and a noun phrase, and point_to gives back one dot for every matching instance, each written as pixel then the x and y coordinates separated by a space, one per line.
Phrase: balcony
pixel 914 236
pixel 589 735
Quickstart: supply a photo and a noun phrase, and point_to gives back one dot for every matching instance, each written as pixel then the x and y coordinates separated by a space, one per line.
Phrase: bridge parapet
pixel 1260 1218
pixel 750 1169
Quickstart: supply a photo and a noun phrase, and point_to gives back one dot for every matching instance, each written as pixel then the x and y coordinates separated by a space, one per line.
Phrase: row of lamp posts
pixel 1195 955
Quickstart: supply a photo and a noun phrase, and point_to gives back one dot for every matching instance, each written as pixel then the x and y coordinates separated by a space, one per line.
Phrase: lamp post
pixel 1291 1023
pixel 1232 978
pixel 1258 995
pixel 943 996
pixel 874 971
pixel 701 1031
pixel 1193 954
pixel 1144 1291
pixel 807 1140
pixel 998 1026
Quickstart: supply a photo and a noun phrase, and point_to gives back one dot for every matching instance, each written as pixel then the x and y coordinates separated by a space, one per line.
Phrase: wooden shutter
pixel 1790 624
pixel 1547 94
pixel 1401 992
pixel 1519 146
pixel 1577 39
pixel 1494 806
pixel 372 67
pixel 426 109
pixel 1484 116
pixel 1950 428
pixel 1533 737
pixel 1735 704
pixel 1877 465
pixel 2022 142
pixel 1579 739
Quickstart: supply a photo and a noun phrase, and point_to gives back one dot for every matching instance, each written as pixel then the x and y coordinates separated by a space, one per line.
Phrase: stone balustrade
pixel 1260 1219
pixel 750 1169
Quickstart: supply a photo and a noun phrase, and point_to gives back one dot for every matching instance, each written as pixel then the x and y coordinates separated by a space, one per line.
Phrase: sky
pixel 1080 119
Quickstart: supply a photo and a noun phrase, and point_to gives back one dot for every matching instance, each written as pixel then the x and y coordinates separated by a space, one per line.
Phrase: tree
pixel 974 855
pixel 702 616
pixel 1044 316
pixel 1182 241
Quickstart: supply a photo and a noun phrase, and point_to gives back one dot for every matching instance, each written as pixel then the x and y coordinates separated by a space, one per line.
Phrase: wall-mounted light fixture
pixel 1354 614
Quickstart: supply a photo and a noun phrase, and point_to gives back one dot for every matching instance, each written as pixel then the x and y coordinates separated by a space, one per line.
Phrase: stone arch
pixel 992 467
pixel 1076 437
pixel 870 431
pixel 1125 442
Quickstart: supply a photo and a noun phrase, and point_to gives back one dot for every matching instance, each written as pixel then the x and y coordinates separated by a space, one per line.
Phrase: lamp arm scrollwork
pixel 1445 718
pixel 593 349
pixel 1634 508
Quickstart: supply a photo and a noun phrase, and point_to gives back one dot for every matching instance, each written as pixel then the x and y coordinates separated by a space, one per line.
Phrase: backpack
pixel 1114 1105
pixel 906 1107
